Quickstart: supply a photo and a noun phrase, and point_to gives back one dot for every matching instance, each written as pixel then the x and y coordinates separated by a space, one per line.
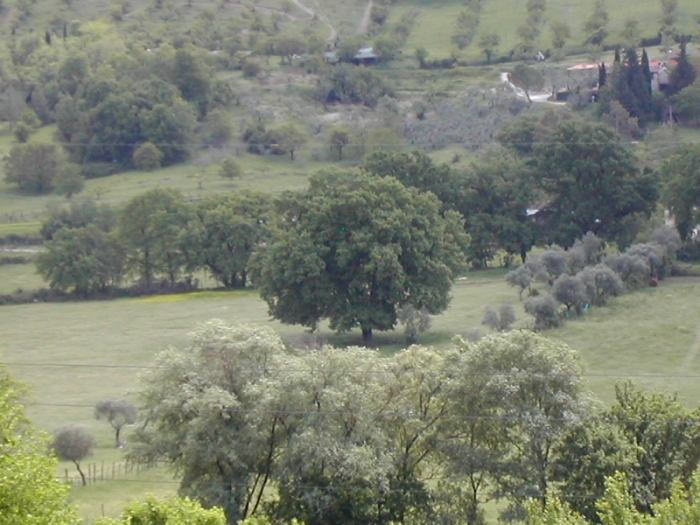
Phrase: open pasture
pixel 434 25
pixel 76 354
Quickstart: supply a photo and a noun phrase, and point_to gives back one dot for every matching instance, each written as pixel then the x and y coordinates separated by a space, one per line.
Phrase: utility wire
pixel 637 375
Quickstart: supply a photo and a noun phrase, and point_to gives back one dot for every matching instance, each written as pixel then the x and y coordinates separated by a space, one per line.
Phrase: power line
pixel 666 143
pixel 635 375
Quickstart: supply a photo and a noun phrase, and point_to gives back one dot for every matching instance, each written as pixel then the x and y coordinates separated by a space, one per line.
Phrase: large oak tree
pixel 354 248
pixel 592 182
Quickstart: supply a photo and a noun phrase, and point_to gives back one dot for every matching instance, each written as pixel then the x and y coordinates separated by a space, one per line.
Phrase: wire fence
pixel 96 472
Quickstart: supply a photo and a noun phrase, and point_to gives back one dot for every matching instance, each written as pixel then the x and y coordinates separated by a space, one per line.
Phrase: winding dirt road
pixel 323 18
pixel 364 23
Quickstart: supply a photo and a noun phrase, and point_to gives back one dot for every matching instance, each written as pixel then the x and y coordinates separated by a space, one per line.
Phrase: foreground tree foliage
pixel 348 436
pixel 211 416
pixel 353 249
pixel 616 506
pixel 531 387
pixel 29 492
pixel 176 511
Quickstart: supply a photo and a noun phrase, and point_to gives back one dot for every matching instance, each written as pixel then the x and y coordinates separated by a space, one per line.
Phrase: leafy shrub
pixel 633 270
pixel 502 320
pixel 415 321
pixel 545 310
pixel 571 292
pixel 601 283
pixel 230 169
pixel 251 68
pixel 346 84
pixel 148 157
pixel 520 277
pixel 96 170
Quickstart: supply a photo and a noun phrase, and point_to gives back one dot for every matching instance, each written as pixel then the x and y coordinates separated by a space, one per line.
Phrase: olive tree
pixel 571 292
pixel 118 414
pixel 601 283
pixel 74 443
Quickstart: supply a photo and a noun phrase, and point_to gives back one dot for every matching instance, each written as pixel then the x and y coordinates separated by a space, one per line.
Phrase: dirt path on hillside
pixel 264 10
pixel 692 354
pixel 694 350
pixel 323 18
pixel 364 23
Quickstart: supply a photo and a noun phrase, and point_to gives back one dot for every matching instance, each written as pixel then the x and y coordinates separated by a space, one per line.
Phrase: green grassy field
pixel 76 354
pixel 15 277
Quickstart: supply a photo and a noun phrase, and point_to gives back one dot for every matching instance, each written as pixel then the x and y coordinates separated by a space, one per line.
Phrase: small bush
pixel 69 180
pixel 22 132
pixel 251 68
pixel 96 170
pixel 500 321
pixel 601 283
pixel 545 310
pixel 148 157
pixel 633 270
pixel 415 321
pixel 14 260
pixel 520 277
pixel 571 292
pixel 230 168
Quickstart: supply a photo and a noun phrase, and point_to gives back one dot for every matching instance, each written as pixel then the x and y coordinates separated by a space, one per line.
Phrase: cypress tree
pixel 683 74
pixel 630 87
pixel 646 69
pixel 602 75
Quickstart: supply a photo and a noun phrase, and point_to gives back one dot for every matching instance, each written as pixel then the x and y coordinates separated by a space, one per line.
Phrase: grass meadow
pixel 76 354
pixel 434 25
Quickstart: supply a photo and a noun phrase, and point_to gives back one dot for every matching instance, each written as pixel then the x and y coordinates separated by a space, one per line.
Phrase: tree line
pixel 157 236
pixel 583 276
pixel 424 436
pixel 406 234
